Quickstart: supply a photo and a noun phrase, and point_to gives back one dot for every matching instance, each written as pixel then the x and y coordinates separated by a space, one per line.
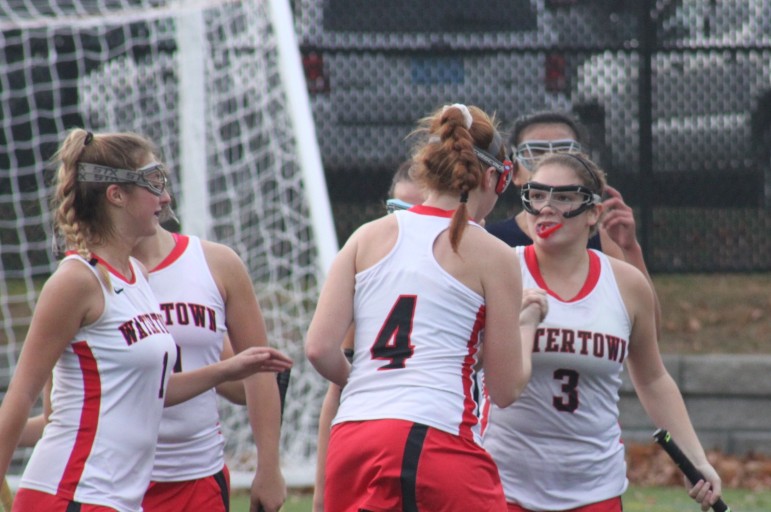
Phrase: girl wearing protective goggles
pixel 98 323
pixel 570 200
pixel 563 186
pixel 601 318
pixel 151 177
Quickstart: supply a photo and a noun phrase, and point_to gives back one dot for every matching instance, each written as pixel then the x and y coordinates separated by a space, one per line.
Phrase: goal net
pixel 211 82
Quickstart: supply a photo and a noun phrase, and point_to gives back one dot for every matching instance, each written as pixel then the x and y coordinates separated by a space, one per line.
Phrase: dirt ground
pixel 710 314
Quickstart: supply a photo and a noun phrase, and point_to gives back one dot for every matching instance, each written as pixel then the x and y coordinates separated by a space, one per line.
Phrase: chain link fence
pixel 675 95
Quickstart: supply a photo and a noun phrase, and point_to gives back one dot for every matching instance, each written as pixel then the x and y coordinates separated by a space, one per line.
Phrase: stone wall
pixel 728 398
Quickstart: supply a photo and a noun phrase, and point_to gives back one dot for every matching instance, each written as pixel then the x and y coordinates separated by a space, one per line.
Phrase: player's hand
pixel 253 360
pixel 534 306
pixel 705 492
pixel 618 220
pixel 268 492
pixel 318 503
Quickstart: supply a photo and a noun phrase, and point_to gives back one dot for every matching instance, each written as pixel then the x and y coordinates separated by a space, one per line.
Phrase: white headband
pixel 463 110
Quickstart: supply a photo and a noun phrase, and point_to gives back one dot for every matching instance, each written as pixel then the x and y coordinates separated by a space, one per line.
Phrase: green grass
pixel 674 499
pixel 295 503
pixel 636 499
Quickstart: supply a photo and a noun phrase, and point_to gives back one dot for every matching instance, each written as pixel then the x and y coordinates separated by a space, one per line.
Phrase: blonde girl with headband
pixel 98 327
pixel 559 446
pixel 420 286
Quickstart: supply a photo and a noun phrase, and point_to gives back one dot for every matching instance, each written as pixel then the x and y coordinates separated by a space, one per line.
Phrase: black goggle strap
pixel 586 167
pixel 505 168
pixel 495 144
pixel 590 198
pixel 95 173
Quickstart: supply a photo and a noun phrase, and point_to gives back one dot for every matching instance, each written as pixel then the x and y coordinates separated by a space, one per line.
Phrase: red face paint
pixel 546 233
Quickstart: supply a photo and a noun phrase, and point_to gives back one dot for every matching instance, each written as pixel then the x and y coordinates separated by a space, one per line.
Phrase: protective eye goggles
pixel 505 169
pixel 151 177
pixel 569 200
pixel 529 152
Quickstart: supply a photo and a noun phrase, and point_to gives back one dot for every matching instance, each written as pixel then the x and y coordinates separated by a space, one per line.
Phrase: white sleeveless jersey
pixel 107 399
pixel 417 336
pixel 559 445
pixel 190 442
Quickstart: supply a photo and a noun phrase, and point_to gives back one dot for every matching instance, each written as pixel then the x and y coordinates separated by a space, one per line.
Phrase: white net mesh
pixel 114 66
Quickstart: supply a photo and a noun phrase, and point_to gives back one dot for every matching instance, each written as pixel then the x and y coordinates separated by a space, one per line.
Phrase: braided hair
pixel 445 161
pixel 79 220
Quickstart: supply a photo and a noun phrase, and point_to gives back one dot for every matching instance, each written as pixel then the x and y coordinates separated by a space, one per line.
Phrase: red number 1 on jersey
pixel 393 342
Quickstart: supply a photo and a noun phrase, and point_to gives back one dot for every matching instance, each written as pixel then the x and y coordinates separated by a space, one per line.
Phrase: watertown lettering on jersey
pixel 183 313
pixel 142 326
pixel 587 343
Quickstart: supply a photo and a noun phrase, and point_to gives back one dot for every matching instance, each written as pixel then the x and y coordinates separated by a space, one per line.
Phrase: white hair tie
pixel 463 110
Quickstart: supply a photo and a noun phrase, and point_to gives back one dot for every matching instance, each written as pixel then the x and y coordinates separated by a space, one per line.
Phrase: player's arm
pixel 232 390
pixel 70 298
pixel 618 234
pixel 507 361
pixel 655 387
pixel 33 430
pixel 333 317
pixel 328 411
pixel 246 328
pixel 253 360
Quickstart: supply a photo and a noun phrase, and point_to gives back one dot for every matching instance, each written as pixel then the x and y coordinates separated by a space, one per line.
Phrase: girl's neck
pixel 153 249
pixel 451 202
pixel 116 255
pixel 564 269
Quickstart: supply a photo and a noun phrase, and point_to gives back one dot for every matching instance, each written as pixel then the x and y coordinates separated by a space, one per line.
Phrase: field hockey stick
pixel 664 439
pixel 6 496
pixel 283 385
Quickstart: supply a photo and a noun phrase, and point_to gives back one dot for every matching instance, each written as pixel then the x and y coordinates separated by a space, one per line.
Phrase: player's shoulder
pixel 73 271
pixel 623 269
pixel 376 230
pixel 629 278
pixel 481 236
pixel 72 286
pixel 223 261
pixel 219 250
pixel 487 248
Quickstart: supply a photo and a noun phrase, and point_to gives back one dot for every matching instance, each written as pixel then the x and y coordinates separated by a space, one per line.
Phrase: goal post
pixel 191 33
pixel 218 85
pixel 298 104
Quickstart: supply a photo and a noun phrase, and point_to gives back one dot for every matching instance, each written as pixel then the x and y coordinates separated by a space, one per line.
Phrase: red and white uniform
pixel 417 336
pixel 559 445
pixel 411 387
pixel 107 398
pixel 190 441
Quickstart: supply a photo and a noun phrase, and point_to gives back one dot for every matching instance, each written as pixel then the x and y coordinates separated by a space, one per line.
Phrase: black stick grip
pixel 282 378
pixel 664 439
pixel 283 384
